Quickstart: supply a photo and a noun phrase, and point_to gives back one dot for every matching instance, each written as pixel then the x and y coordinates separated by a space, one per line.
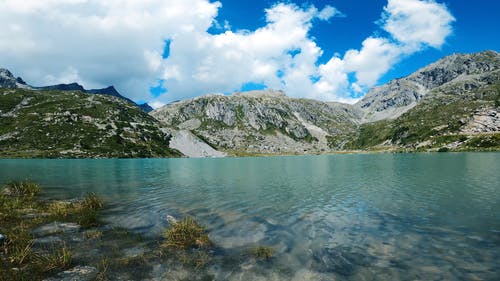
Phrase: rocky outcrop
pixel 486 120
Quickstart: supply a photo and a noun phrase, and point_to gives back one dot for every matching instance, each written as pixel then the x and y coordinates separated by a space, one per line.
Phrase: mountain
pixel 451 104
pixel 398 96
pixel 261 122
pixel 74 124
pixel 145 107
pixel 109 91
pixel 7 80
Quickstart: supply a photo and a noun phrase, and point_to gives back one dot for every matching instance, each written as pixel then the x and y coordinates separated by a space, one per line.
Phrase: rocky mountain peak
pixel 7 80
pixel 453 66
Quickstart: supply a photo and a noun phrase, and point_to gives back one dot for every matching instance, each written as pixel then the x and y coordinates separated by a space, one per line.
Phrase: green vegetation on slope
pixel 63 124
pixel 437 122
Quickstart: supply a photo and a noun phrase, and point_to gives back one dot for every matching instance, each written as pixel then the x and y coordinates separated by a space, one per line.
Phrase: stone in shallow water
pixel 134 252
pixel 239 234
pixel 78 273
pixel 330 260
pixel 56 227
pixel 48 240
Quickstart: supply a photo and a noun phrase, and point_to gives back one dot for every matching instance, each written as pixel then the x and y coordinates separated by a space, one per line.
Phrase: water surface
pixel 339 217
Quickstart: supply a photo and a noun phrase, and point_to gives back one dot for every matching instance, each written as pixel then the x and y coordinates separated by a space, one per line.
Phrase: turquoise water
pixel 338 217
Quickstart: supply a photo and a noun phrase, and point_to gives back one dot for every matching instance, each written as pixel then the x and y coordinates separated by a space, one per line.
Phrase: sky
pixel 159 51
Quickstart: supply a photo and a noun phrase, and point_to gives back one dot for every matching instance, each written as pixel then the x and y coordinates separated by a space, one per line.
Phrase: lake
pixel 425 216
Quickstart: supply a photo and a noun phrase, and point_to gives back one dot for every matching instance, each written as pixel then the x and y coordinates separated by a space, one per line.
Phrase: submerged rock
pixel 170 219
pixel 2 238
pixel 330 260
pixel 78 273
pixel 56 227
pixel 49 240
pixel 134 252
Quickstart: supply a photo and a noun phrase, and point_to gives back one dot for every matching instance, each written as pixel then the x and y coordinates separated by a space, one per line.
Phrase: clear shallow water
pixel 339 217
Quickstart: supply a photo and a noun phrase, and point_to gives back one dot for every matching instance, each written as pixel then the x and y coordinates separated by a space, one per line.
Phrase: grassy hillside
pixel 72 124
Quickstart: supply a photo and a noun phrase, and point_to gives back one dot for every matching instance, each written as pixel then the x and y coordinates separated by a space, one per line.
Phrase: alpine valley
pixel 450 105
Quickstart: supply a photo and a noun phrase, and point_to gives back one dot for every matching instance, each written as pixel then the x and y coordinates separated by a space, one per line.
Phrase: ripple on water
pixel 340 217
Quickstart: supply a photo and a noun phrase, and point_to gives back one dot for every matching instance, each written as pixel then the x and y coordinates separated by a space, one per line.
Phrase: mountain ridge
pixel 451 104
pixel 280 124
pixel 7 80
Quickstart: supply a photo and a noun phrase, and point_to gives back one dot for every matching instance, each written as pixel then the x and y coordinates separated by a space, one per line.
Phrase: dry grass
pixel 262 252
pixel 21 188
pixel 186 234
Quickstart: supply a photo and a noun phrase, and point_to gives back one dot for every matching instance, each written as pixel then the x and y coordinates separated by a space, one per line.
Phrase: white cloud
pixel 415 22
pixel 104 42
pixel 413 25
pixel 375 58
pixel 329 12
pixel 120 42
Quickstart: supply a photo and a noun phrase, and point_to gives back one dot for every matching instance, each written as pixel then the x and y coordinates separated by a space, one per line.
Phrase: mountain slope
pixel 458 110
pixel 467 71
pixel 65 124
pixel 451 104
pixel 261 122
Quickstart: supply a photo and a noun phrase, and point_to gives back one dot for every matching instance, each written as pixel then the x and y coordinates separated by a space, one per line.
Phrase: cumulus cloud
pixel 416 22
pixel 329 12
pixel 412 26
pixel 94 42
pixel 121 42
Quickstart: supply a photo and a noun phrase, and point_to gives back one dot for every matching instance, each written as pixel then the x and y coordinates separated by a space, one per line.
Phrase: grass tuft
pixel 21 189
pixel 58 259
pixel 186 234
pixel 262 252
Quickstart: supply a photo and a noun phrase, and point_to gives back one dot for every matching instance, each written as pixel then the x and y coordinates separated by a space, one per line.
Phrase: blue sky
pixel 159 51
pixel 476 28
